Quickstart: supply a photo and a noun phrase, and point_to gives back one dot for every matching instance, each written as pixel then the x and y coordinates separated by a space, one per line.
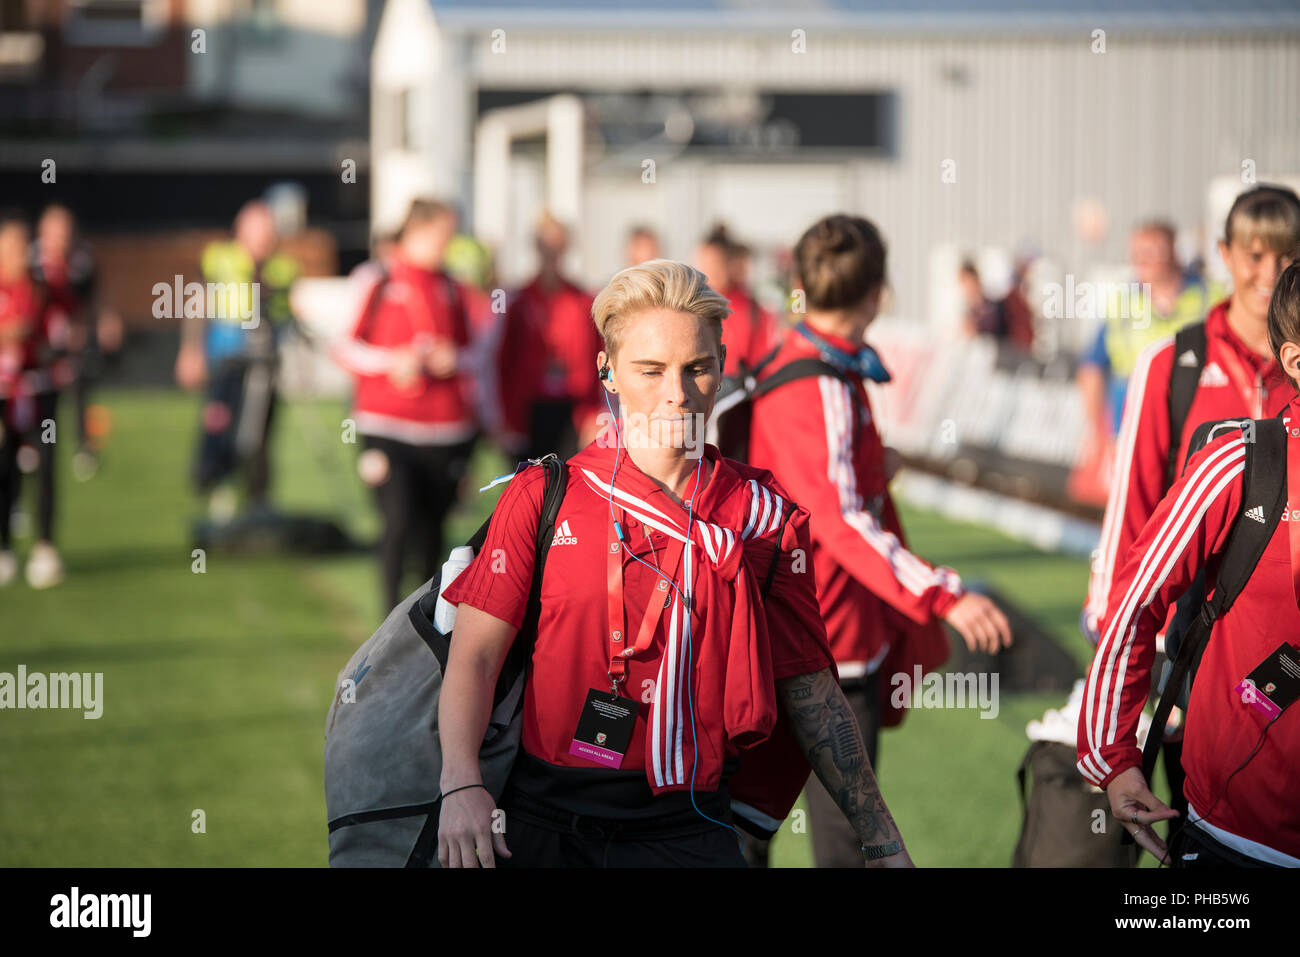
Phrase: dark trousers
pixel 538 836
pixel 44 408
pixel 218 457
pixel 414 500
pixel 1194 849
pixel 835 842
pixel 551 429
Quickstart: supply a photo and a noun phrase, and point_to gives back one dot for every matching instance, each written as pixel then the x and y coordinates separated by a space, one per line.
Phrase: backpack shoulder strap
pixel 1183 381
pixel 800 369
pixel 422 612
pixel 1262 501
pixel 776 554
pixel 557 480
pixel 807 369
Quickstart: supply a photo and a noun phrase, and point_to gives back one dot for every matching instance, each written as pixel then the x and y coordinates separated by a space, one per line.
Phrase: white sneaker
pixel 8 567
pixel 44 567
pixel 223 504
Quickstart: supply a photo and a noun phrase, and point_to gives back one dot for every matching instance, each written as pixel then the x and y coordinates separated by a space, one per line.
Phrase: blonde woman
pixel 657 661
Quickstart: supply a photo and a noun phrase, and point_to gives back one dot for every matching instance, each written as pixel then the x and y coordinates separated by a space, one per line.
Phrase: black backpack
pixel 383 758
pixel 733 412
pixel 1262 503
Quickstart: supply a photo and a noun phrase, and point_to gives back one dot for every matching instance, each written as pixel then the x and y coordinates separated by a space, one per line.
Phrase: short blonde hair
pixel 657 284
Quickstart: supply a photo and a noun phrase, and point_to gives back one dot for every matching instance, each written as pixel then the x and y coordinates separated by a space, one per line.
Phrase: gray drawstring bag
pixel 383 759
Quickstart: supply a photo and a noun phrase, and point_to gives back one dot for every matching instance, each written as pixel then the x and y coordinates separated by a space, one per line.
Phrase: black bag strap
pixel 807 369
pixel 557 480
pixel 1184 379
pixel 1264 489
pixel 422 612
pixel 801 369
pixel 776 555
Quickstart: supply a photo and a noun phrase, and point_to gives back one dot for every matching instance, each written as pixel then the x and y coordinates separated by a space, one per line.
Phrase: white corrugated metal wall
pixel 1032 123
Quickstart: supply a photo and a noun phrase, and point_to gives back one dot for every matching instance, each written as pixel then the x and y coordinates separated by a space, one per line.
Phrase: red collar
pixel 1216 324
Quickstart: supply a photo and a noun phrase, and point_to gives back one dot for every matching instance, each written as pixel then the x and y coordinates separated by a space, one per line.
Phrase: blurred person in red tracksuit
pixel 881 603
pixel 413 403
pixel 28 401
pixel 751 330
pixel 1239 749
pixel 549 401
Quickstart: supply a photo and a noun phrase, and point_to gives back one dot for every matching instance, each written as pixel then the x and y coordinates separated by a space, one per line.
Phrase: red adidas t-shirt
pixel 737 646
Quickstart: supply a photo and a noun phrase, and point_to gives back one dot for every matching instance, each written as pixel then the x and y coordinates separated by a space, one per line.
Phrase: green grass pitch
pixel 216 684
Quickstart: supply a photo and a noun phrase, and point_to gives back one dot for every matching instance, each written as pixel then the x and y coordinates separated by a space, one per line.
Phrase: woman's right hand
pixel 467 836
pixel 1136 808
pixel 980 622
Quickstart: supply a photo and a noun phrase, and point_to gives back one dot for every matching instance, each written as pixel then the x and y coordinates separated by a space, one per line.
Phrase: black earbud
pixel 604 372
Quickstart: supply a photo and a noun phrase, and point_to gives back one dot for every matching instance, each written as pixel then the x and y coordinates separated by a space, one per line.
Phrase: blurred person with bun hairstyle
pixel 752 331
pixel 883 606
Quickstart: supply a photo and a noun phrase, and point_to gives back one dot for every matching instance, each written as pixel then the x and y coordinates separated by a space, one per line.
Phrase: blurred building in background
pixel 161 117
pixel 974 124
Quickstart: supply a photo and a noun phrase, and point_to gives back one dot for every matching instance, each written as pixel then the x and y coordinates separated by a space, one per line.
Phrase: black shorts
pixel 539 835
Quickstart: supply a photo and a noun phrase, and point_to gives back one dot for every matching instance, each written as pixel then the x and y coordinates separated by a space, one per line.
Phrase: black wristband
pixel 463 787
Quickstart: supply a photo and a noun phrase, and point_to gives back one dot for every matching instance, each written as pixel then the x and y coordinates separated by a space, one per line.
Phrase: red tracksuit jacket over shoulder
pixel 737 646
pixel 873 592
pixel 408 309
pixel 1259 814
pixel 1235 383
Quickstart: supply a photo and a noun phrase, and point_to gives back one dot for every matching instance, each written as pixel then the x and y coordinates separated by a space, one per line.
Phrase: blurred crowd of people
pixel 444 358
pixel 54 339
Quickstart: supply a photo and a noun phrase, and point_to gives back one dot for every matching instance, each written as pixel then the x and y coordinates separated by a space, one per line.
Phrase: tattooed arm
pixel 827 732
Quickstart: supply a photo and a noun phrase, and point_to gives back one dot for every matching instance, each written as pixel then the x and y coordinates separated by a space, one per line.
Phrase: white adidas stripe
pixel 753 508
pixel 1112 523
pixel 912 573
pixel 1108 651
pixel 1174 526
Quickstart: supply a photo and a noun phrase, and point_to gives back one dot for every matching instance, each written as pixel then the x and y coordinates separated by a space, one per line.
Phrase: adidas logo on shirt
pixel 1212 376
pixel 564 536
pixel 1257 513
